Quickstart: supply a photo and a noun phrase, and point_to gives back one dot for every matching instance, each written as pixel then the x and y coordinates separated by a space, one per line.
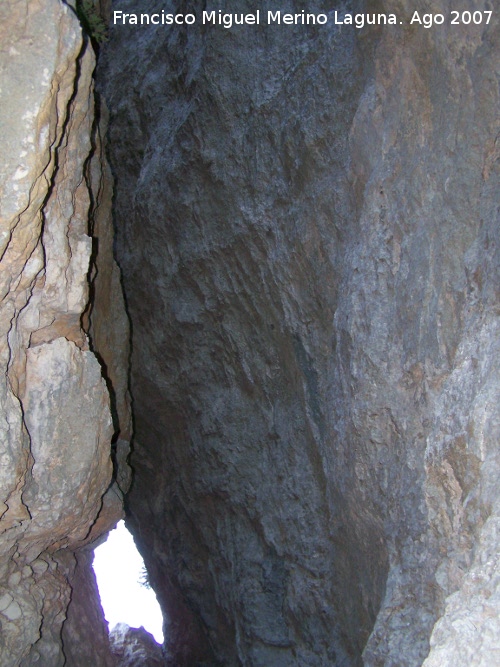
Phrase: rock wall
pixel 57 488
pixel 307 219
pixel 308 225
pixel 134 647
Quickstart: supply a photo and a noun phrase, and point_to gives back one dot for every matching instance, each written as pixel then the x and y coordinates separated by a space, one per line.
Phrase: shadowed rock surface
pixel 307 222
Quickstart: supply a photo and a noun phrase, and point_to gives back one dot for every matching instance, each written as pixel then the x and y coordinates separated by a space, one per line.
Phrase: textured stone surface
pixel 307 220
pixel 85 636
pixel 56 423
pixel 135 647
pixel 469 631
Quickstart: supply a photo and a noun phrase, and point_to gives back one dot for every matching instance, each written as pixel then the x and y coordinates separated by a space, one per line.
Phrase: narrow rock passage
pixel 125 593
pixel 267 331
pixel 307 224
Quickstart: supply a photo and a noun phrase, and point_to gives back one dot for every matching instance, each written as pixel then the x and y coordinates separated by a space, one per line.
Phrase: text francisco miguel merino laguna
pixel 228 20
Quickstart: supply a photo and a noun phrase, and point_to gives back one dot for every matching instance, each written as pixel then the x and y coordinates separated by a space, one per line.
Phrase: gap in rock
pixel 119 570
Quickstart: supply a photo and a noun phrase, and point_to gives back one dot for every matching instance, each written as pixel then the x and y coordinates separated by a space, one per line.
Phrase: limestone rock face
pixel 135 647
pixel 308 225
pixel 56 424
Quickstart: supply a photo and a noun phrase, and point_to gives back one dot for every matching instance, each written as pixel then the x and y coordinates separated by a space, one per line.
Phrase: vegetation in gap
pixel 144 578
pixel 91 20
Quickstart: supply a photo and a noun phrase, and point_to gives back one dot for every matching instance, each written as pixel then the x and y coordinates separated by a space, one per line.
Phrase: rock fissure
pixel 305 220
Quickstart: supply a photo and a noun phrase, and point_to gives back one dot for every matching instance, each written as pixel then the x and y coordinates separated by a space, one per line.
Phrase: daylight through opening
pixel 119 570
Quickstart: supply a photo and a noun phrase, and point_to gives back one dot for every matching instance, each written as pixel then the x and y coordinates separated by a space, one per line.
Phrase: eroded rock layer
pixel 307 221
pixel 57 493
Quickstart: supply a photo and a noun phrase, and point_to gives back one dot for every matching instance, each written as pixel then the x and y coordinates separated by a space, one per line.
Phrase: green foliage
pixel 91 20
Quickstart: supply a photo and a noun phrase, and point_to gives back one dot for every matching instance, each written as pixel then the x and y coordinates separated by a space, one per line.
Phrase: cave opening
pixel 126 596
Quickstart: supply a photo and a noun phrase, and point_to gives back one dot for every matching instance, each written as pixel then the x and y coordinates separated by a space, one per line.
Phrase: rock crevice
pixel 306 222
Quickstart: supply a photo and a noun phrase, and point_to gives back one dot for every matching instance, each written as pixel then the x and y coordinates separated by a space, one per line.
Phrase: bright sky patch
pixel 118 566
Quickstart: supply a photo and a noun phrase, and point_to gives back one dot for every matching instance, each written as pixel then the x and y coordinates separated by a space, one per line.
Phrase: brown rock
pixel 56 424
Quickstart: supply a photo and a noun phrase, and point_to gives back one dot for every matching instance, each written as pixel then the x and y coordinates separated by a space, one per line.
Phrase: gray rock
pixel 307 222
pixel 135 647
